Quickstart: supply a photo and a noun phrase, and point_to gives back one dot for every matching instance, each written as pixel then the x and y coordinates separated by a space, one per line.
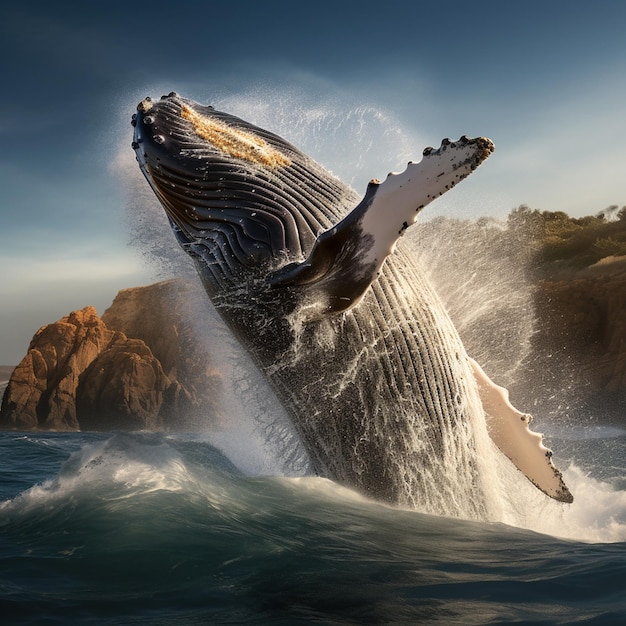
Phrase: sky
pixel 361 86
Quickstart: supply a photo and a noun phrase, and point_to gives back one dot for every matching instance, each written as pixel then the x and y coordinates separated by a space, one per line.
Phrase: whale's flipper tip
pixel 509 430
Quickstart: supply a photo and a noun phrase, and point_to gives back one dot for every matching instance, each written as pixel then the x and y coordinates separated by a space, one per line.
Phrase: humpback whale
pixel 316 283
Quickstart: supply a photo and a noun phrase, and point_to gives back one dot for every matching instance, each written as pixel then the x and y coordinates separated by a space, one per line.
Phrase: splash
pixel 486 288
pixel 481 285
pixel 118 466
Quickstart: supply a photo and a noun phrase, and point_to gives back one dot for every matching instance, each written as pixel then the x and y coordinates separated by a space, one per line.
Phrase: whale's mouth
pixel 165 135
pixel 177 128
pixel 225 183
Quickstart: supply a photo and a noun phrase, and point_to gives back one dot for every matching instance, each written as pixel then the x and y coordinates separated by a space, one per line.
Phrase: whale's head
pixel 244 202
pixel 236 195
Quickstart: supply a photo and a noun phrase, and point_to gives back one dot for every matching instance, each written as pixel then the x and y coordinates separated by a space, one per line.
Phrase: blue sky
pixel 362 86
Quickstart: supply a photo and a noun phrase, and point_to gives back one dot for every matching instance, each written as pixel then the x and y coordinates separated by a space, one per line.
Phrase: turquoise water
pixel 157 529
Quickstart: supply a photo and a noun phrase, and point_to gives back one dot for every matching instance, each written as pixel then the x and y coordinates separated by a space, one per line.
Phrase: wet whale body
pixel 317 285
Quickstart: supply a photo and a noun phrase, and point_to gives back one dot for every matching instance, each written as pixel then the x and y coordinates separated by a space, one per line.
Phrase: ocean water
pixel 153 528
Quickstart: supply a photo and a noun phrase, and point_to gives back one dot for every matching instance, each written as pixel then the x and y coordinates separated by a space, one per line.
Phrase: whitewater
pixel 229 526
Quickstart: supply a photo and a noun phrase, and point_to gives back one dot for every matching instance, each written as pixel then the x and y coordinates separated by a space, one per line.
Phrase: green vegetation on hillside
pixel 541 244
pixel 558 239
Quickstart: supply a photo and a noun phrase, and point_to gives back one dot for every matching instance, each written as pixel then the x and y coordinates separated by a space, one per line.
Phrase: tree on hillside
pixel 526 223
pixel 555 237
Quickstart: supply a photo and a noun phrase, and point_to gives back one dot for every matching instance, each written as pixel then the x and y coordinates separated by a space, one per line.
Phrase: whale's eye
pixel 234 141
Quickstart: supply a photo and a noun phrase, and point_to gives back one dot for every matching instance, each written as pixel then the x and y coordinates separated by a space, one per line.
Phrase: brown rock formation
pixel 159 315
pixel 123 389
pixel 41 392
pixel 139 369
pixel 583 329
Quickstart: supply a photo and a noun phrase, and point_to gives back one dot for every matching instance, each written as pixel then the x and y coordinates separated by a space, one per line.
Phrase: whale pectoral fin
pixel 347 258
pixel 509 430
pixel 340 266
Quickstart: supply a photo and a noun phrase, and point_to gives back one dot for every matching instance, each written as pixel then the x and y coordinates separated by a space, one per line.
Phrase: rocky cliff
pixel 136 368
pixel 581 343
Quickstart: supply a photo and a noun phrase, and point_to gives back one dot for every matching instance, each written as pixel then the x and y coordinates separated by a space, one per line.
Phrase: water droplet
pixel 158 139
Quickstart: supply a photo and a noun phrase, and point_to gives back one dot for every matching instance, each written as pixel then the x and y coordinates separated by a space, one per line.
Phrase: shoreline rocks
pixel 136 368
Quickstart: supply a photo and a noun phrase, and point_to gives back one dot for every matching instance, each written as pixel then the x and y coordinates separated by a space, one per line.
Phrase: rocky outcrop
pixel 136 368
pixel 161 316
pixel 124 388
pixel 42 390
